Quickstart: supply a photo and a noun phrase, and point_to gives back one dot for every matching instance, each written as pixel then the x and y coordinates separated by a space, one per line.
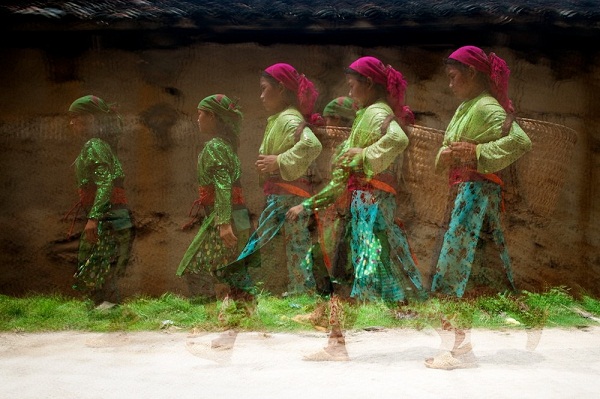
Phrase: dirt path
pixel 387 363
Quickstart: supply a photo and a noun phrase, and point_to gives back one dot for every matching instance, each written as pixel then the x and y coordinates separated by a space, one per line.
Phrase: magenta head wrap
pixel 391 79
pixel 297 83
pixel 492 66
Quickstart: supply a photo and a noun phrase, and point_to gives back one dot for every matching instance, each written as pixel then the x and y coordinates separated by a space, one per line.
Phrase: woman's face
pixel 207 122
pixel 272 96
pixel 462 81
pixel 359 90
pixel 81 124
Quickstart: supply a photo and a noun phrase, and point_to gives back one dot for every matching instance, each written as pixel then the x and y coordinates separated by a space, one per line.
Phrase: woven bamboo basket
pixel 330 137
pixel 541 173
pixel 428 191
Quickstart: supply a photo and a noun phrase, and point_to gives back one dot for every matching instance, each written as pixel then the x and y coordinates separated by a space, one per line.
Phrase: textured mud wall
pixel 157 92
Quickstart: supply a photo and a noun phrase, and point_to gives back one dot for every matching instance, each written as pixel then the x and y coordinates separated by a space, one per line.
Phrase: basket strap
pixel 299 130
pixel 386 123
pixel 507 124
pixel 511 171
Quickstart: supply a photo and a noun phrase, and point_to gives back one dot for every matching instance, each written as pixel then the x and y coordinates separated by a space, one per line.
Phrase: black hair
pixel 382 91
pixel 360 77
pixel 270 78
pixel 483 78
pixel 455 63
pixel 107 127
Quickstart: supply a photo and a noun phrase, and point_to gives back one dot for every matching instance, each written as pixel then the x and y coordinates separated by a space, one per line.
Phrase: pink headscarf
pixel 491 65
pixel 391 80
pixel 299 84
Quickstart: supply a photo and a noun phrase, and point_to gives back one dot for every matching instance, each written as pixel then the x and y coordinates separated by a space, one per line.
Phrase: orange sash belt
pixel 383 182
pixel 299 187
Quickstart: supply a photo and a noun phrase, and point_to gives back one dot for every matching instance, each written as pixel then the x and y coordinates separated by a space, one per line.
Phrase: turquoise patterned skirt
pixel 476 213
pixel 383 264
pixel 298 247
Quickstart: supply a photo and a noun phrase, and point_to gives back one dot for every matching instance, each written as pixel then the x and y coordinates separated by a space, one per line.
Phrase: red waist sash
pixel 206 195
pixel 87 195
pixel 463 174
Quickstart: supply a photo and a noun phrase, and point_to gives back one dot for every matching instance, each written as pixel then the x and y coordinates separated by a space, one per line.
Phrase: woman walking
pixel 365 172
pixel 105 243
pixel 226 227
pixel 288 149
pixel 481 140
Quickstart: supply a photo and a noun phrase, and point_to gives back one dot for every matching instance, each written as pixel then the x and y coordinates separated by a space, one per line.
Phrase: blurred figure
pixel 364 178
pixel 288 149
pixel 105 243
pixel 340 112
pixel 226 227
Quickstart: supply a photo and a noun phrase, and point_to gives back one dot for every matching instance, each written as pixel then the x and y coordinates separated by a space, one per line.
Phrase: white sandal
pixel 445 361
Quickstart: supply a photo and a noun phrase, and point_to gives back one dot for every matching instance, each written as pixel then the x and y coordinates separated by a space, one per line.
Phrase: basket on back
pixel 330 137
pixel 541 173
pixel 428 191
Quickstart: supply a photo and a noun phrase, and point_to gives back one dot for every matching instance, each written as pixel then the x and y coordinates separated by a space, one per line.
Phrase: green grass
pixel 36 313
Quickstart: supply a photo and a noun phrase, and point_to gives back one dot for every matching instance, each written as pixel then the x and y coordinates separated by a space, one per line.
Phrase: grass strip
pixel 39 313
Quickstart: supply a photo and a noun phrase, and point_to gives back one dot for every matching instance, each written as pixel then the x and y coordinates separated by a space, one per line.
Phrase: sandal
pixel 445 361
pixel 225 341
pixel 331 353
pixel 463 350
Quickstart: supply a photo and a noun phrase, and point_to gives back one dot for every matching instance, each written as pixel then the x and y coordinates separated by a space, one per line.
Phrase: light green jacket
pixel 379 151
pixel 293 156
pixel 480 121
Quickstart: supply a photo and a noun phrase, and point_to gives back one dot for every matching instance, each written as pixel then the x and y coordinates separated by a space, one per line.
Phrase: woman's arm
pixel 216 164
pixel 294 162
pixel 498 154
pixel 379 155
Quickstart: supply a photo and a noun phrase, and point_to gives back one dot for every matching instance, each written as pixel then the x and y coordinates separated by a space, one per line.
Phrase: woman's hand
pixel 351 158
pixel 464 152
pixel 226 234
pixel 293 212
pixel 267 163
pixel 91 231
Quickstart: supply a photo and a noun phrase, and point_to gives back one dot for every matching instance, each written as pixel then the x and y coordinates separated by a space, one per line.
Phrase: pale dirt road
pixel 384 364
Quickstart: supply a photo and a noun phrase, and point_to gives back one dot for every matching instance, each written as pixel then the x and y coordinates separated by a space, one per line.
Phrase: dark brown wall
pixel 158 90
